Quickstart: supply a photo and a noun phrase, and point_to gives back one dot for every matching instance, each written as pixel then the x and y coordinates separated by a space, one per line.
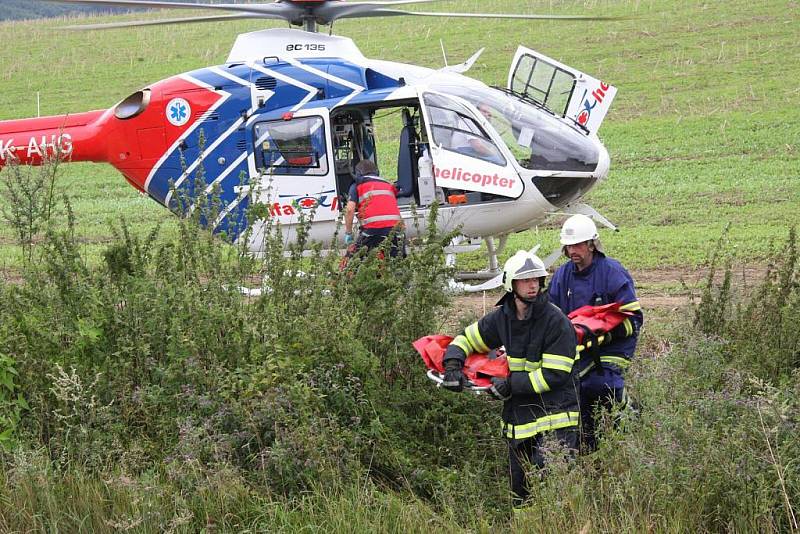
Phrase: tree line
pixel 23 9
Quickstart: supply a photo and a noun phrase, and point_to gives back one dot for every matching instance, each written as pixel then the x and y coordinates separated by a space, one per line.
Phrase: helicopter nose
pixel 603 164
pixel 561 190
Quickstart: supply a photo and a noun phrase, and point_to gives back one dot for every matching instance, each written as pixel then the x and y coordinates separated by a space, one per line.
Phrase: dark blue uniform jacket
pixel 603 282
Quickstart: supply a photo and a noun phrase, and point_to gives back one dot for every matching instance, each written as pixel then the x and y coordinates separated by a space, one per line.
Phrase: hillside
pixel 25 9
pixel 36 9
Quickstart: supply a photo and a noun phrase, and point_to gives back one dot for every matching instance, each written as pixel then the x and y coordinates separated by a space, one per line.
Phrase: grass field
pixel 704 131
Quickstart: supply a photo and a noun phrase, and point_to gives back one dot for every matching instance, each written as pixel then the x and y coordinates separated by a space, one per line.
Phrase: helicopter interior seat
pixel 406 161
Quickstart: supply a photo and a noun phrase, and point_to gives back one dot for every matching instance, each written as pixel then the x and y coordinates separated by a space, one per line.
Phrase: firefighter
pixel 541 394
pixel 590 277
pixel 375 199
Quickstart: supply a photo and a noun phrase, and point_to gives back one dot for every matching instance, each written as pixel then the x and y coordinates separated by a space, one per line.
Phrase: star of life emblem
pixel 178 111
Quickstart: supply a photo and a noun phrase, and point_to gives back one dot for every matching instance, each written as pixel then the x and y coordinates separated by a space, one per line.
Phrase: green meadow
pixel 139 393
pixel 703 133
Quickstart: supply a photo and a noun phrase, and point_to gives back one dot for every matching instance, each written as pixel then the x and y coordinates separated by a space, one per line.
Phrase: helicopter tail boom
pixel 94 136
pixel 68 137
pixel 134 136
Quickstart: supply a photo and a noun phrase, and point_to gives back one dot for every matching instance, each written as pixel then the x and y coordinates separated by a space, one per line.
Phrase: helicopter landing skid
pixel 492 276
pixel 463 244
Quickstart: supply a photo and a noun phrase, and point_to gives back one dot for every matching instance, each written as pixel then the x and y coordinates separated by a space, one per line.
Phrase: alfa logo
pixel 586 112
pixel 597 95
pixel 289 204
pixel 178 111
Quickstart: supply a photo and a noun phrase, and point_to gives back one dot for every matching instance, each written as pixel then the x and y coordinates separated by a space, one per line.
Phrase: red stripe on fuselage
pixel 154 136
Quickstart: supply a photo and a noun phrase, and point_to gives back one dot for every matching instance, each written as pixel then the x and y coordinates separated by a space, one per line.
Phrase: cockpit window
pixel 454 128
pixel 538 140
pixel 295 147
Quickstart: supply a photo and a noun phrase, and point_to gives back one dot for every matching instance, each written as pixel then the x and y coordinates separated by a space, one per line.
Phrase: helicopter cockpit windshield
pixel 537 139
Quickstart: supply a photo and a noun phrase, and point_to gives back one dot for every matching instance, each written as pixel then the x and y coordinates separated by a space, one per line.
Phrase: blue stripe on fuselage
pixel 203 137
pixel 238 105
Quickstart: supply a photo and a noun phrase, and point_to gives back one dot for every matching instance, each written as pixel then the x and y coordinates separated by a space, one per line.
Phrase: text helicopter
pixel 288 115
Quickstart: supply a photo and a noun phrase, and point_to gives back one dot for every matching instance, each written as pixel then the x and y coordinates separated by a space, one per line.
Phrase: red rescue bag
pixel 478 368
pixel 598 319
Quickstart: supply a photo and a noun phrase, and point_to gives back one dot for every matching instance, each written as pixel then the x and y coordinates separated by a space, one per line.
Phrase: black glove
pixel 501 388
pixel 589 340
pixel 453 375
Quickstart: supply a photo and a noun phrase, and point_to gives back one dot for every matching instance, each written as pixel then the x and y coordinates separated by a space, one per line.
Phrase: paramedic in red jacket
pixel 375 199
pixel 590 277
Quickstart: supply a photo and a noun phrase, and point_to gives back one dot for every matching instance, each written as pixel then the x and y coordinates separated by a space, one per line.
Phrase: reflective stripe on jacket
pixel 541 350
pixel 377 203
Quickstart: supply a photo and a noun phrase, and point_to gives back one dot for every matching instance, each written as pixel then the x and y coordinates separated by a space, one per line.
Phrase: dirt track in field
pixel 658 289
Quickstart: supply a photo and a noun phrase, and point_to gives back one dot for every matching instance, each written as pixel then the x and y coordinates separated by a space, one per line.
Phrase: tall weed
pixel 29 201
pixel 760 333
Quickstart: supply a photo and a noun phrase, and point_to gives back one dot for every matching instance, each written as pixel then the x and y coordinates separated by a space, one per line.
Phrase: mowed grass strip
pixel 704 130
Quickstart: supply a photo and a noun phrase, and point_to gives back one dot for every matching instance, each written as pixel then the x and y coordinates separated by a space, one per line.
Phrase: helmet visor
pixel 525 275
pixel 532 268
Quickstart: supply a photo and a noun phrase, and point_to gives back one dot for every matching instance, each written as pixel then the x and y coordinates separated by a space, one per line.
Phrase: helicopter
pixel 284 120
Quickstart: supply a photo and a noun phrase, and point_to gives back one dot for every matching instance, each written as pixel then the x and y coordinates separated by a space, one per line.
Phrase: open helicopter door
pixel 562 90
pixel 468 162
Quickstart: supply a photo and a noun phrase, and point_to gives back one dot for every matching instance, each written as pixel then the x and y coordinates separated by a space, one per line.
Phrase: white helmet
pixel 577 229
pixel 580 228
pixel 521 266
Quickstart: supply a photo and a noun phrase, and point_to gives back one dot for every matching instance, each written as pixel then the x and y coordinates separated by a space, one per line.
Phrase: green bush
pixel 155 358
pixel 760 333
pixel 12 403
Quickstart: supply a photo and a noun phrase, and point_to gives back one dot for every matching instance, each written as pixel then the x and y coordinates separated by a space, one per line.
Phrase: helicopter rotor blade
pixel 383 3
pixel 157 22
pixel 396 13
pixel 322 12
pixel 328 12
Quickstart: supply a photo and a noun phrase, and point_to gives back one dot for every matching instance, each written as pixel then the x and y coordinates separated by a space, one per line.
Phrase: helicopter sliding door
pixel 560 89
pixel 468 163
pixel 293 162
